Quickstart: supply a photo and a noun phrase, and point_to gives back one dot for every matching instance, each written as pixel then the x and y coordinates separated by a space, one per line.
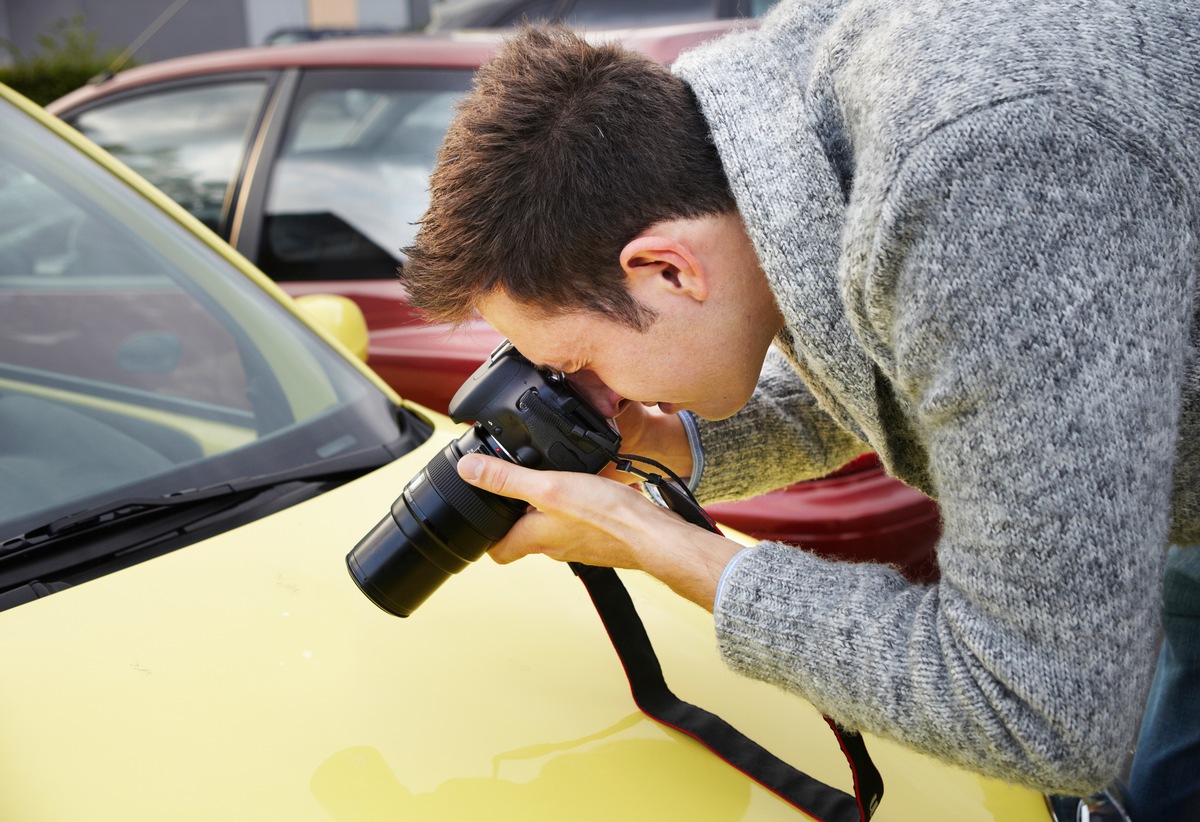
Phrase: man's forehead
pixel 550 340
pixel 550 358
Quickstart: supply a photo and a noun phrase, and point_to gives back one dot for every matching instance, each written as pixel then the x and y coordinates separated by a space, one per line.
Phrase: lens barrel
pixel 438 526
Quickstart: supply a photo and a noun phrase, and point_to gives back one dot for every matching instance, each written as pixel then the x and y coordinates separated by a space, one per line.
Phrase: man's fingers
pixel 470 468
pixel 477 471
pixel 503 478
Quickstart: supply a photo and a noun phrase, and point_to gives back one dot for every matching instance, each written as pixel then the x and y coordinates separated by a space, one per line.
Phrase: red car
pixel 312 160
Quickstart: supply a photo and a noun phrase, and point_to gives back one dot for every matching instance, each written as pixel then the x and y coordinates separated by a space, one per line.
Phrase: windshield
pixel 135 360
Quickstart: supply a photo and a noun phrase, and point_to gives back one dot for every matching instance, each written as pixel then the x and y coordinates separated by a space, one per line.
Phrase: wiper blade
pixel 119 509
pixel 354 462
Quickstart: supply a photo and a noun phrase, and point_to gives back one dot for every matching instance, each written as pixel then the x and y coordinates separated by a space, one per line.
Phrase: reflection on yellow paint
pixel 660 779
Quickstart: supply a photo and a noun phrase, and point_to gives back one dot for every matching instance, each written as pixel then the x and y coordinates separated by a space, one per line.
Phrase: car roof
pixel 459 49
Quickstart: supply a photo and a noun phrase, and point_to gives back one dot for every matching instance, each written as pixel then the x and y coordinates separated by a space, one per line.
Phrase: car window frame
pixel 294 83
pixel 246 222
pixel 242 184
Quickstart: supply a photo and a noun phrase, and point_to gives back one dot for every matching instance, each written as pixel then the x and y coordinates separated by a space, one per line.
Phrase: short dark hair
pixel 561 154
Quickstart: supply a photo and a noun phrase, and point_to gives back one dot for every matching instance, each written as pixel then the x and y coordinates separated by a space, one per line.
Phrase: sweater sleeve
pixel 1029 296
pixel 781 436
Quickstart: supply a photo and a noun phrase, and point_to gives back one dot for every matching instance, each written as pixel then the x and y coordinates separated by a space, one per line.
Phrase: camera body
pixel 440 523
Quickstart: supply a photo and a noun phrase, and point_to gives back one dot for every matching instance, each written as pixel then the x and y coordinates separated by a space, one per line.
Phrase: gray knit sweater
pixel 979 221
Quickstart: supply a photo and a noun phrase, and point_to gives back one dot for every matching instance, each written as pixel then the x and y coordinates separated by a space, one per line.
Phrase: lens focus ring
pixel 466 499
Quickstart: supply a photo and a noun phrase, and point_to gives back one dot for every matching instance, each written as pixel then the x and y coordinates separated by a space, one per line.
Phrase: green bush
pixel 67 58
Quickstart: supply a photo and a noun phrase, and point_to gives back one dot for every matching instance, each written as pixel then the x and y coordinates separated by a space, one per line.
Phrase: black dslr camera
pixel 442 523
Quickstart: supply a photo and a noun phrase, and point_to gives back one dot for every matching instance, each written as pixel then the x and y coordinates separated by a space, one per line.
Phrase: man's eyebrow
pixel 547 367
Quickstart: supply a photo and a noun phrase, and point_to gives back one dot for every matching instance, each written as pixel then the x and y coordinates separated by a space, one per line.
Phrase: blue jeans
pixel 1164 783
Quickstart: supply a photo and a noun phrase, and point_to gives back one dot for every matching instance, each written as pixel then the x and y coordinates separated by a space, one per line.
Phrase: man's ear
pixel 657 260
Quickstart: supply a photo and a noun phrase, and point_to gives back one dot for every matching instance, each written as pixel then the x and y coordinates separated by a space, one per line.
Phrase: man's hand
pixel 649 432
pixel 593 520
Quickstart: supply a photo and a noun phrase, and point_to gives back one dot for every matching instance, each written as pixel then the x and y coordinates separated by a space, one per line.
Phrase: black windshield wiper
pixel 344 466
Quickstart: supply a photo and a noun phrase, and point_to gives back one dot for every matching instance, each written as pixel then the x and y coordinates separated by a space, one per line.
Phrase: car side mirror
pixel 340 317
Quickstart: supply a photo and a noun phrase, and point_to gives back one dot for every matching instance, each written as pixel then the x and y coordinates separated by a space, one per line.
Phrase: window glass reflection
pixel 188 142
pixel 353 175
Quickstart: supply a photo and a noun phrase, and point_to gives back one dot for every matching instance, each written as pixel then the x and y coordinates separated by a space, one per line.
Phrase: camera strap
pixel 656 700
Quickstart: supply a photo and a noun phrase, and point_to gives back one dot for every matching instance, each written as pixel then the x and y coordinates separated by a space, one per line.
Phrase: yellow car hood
pixel 246 677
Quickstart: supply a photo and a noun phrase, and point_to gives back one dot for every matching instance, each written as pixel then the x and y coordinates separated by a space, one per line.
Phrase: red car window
pixel 352 177
pixel 189 142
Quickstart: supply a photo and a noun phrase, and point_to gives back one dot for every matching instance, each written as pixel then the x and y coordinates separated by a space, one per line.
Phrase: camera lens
pixel 436 528
pixel 441 523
